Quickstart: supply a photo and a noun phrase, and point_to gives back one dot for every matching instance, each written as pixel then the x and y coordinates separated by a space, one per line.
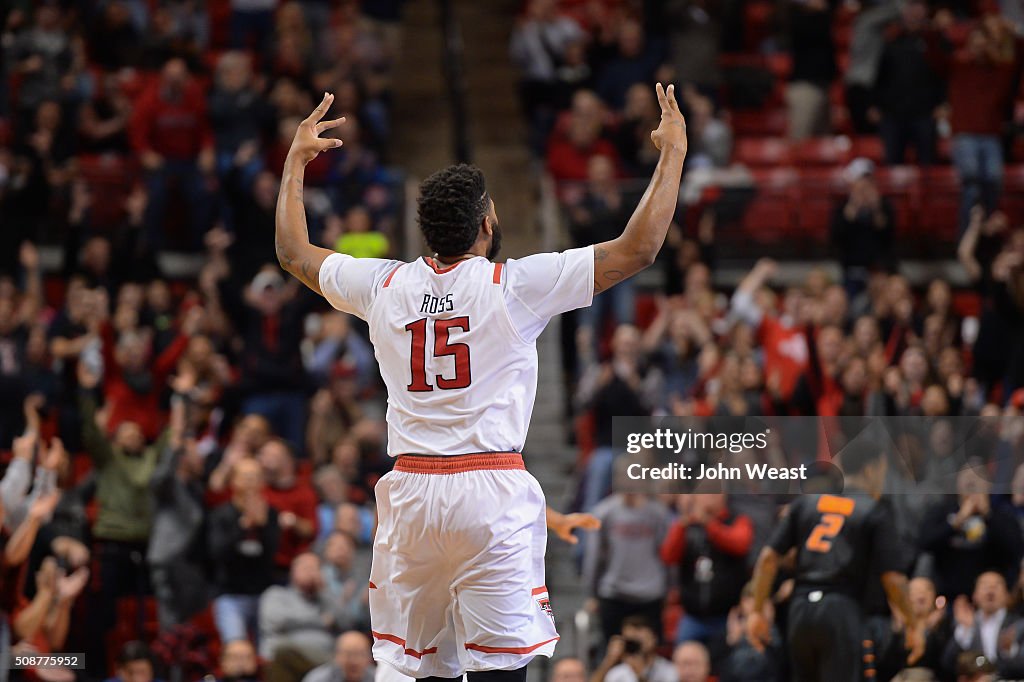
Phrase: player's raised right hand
pixel 671 132
pixel 307 142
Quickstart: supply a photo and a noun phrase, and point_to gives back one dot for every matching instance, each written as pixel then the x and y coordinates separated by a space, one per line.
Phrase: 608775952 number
pixel 72 661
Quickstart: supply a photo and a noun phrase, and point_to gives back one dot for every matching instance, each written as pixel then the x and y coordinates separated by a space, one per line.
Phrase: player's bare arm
pixel 294 252
pixel 639 244
pixel 895 585
pixel 758 624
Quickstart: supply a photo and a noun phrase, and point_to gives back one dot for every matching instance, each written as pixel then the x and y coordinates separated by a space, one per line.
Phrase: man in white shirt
pixel 986 626
pixel 457 581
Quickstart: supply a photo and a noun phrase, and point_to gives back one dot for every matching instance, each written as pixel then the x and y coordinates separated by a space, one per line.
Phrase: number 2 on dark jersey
pixel 834 512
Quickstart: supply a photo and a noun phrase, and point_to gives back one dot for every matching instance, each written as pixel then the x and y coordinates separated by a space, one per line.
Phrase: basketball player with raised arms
pixel 457 579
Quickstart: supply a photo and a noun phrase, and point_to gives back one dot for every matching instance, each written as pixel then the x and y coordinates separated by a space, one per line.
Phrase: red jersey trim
pixel 395 639
pixel 509 649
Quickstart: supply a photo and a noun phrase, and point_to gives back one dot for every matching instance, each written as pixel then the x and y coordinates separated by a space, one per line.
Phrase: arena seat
pixel 763 152
pixel 940 209
pixel 770 216
pixel 761 123
pixel 819 190
pixel 870 147
pixel 901 185
pixel 1013 192
pixel 109 177
pixel 822 151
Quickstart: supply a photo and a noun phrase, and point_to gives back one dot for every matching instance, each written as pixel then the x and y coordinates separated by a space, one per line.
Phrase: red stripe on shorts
pixel 457 464
pixel 395 639
pixel 539 590
pixel 508 649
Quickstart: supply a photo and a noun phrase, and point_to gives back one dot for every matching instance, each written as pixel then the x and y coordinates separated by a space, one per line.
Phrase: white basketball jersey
pixel 456 344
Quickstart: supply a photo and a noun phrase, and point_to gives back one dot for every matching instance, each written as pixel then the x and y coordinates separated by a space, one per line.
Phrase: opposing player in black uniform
pixel 840 540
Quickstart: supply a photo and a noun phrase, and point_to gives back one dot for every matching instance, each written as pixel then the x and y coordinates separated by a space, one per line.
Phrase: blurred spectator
pixel 693 664
pixel 621 567
pixel 358 238
pixel 863 228
pixel 695 28
pixel 624 386
pixel 909 87
pixel 41 54
pixel 171 134
pixel 814 67
pixel 968 536
pixel 635 62
pixel 352 661
pixel 640 115
pixel 709 137
pixel 568 669
pixel 134 664
pixel 114 41
pixel 268 315
pixel 343 580
pixel 242 539
pixel 867 43
pixel 571 147
pixel 297 622
pixel 938 631
pixel 539 44
pixel 632 656
pixel 987 627
pixel 239 662
pixel 124 467
pixel 294 499
pixel 981 86
pixel 743 661
pixel 252 22
pixel 709 543
pixel 238 112
pixel 175 554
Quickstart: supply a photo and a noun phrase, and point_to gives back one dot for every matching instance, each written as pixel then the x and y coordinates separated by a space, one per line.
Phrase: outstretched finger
pixel 670 95
pixel 326 143
pixel 662 99
pixel 329 125
pixel 321 109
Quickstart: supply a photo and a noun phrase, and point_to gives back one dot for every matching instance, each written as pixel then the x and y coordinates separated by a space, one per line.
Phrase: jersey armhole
pixel 501 280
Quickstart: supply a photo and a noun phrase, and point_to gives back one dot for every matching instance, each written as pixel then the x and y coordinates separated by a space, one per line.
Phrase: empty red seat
pixel 770 216
pixel 1013 192
pixel 901 185
pixel 870 147
pixel 819 191
pixel 940 204
pixel 822 151
pixel 763 152
pixel 771 122
pixel 109 177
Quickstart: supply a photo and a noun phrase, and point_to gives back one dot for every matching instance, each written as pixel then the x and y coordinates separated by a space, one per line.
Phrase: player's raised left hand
pixel 307 142
pixel 563 525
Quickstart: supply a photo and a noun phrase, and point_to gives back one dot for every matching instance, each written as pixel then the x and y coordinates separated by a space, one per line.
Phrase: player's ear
pixel 487 226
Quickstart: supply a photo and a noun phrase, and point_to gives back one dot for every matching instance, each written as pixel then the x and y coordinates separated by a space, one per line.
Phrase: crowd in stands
pixel 845 118
pixel 192 454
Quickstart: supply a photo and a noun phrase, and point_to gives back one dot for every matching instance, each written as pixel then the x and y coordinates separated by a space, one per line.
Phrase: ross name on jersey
pixel 434 304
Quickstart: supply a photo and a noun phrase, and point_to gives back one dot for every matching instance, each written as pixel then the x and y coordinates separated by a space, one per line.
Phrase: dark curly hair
pixel 452 204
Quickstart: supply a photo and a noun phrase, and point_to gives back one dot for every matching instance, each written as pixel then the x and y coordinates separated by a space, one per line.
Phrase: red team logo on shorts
pixel 545 605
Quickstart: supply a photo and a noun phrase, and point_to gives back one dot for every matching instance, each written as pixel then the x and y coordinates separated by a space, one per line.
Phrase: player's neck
pixel 450 260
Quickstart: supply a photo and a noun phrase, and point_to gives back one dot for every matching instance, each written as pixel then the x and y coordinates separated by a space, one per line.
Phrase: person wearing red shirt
pixel 578 138
pixel 134 382
pixel 982 77
pixel 170 133
pixel 709 543
pixel 293 497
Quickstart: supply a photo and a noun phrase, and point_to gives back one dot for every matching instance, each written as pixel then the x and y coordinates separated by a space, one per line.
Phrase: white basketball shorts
pixel 457 581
